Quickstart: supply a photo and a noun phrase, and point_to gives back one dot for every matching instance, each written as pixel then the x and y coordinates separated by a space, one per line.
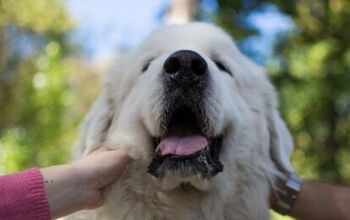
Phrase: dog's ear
pixel 281 143
pixel 96 125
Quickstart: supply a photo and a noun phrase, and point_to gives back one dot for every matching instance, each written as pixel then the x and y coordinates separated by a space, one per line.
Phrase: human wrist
pixel 280 181
pixel 285 193
pixel 65 188
pixel 79 185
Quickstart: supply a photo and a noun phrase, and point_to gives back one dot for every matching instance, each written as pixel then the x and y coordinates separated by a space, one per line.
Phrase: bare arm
pixel 318 201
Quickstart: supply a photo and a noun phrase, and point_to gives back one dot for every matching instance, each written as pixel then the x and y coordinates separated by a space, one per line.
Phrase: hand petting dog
pixel 77 186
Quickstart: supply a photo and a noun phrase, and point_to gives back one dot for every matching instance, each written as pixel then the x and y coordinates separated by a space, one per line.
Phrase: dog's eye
pixel 222 67
pixel 145 66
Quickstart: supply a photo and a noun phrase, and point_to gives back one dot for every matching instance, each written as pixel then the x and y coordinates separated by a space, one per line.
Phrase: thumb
pixel 105 166
pixel 115 163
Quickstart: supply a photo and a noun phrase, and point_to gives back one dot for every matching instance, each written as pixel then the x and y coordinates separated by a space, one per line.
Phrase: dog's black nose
pixel 186 68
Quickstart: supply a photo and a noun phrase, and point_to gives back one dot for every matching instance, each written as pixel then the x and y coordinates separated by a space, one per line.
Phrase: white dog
pixel 201 121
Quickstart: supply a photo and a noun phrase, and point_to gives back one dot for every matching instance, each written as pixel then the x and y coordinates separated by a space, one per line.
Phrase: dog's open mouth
pixel 184 150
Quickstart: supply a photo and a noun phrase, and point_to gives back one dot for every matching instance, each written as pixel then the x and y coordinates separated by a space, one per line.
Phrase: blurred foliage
pixel 311 70
pixel 44 91
pixel 39 16
pixel 313 79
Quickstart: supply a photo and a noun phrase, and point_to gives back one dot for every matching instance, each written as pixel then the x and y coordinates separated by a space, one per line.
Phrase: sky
pixel 271 25
pixel 106 26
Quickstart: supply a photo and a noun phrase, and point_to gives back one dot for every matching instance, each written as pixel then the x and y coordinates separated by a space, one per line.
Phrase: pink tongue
pixel 181 146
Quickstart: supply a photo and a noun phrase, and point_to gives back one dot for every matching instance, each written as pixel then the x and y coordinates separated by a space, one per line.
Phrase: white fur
pixel 242 107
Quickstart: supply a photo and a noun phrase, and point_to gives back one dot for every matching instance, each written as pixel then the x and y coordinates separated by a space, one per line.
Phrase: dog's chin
pixel 190 183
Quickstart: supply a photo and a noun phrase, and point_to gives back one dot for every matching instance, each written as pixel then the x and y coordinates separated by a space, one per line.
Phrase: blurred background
pixel 53 53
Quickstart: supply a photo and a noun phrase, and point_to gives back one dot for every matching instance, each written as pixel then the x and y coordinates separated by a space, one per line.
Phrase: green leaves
pixel 39 16
pixel 43 94
pixel 311 71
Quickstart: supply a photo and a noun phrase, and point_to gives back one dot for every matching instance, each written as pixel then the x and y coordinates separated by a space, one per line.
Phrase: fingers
pixel 109 166
pixel 99 149
pixel 116 156
pixel 103 148
pixel 104 165
pixel 121 154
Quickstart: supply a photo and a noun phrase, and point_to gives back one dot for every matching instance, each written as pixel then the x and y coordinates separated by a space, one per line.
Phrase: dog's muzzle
pixel 185 148
pixel 185 70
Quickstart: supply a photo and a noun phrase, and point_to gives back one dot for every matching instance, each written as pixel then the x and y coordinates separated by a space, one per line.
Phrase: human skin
pixel 77 186
pixel 322 201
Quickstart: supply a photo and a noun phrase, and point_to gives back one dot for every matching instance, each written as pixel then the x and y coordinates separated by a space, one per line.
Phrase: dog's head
pixel 187 103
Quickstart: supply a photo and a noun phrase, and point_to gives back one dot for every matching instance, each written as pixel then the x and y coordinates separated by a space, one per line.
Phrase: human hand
pixel 79 185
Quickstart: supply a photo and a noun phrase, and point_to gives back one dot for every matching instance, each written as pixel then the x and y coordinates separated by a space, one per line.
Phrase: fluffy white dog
pixel 200 120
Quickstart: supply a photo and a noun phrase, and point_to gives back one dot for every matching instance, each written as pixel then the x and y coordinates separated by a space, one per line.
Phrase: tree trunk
pixel 181 12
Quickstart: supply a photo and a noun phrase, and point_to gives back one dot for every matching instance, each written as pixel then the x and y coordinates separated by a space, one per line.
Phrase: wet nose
pixel 186 68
